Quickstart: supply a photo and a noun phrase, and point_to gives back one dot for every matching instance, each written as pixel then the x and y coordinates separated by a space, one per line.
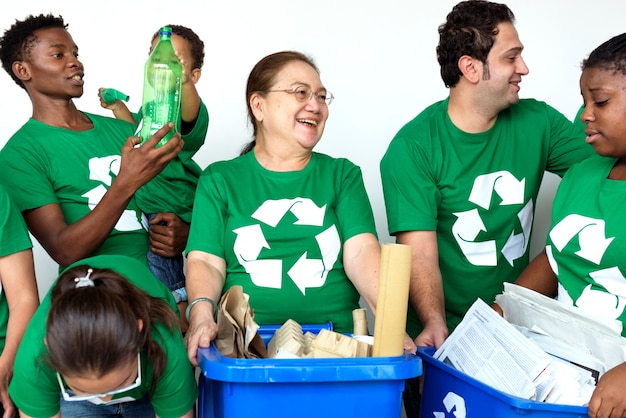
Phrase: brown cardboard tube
pixel 392 300
pixel 359 318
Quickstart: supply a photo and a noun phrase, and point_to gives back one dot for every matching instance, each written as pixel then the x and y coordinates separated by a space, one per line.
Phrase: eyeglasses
pixel 70 396
pixel 304 94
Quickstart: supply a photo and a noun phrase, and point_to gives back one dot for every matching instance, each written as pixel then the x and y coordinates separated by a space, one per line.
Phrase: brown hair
pixel 196 44
pixel 92 329
pixel 262 78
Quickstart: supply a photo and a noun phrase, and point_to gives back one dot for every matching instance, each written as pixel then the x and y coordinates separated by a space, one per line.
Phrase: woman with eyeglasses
pixel 292 226
pixel 104 342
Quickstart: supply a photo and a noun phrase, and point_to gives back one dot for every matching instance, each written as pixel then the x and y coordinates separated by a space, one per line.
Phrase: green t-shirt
pixel 43 164
pixel 477 191
pixel 587 240
pixel 13 239
pixel 174 188
pixel 35 389
pixel 282 233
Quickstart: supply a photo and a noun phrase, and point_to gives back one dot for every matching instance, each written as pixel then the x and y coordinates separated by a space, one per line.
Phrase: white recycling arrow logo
pixel 306 272
pixel 104 170
pixel 469 224
pixel 466 230
pixel 516 245
pixel 610 304
pixel 454 404
pixel 593 243
pixel 591 238
pixel 510 190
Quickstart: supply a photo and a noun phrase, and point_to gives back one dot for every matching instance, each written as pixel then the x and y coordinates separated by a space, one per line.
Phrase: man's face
pixel 53 65
pixel 504 68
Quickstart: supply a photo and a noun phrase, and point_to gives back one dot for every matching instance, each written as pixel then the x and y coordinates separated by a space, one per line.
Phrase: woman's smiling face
pixel 284 116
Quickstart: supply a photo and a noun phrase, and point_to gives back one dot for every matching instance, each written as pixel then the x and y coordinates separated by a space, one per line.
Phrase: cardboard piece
pixel 237 335
pixel 289 342
pixel 288 338
pixel 359 318
pixel 332 344
pixel 392 301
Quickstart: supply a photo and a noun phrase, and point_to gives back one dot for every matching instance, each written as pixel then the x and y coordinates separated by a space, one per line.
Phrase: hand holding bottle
pixel 142 162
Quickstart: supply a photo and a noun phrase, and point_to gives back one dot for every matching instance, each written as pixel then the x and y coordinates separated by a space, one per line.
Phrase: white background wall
pixel 377 57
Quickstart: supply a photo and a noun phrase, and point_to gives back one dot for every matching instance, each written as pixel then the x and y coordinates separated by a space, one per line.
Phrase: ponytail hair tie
pixel 85 281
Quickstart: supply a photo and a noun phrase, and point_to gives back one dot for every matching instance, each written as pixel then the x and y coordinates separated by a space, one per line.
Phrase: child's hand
pixel 118 107
pixel 168 234
pixel 112 106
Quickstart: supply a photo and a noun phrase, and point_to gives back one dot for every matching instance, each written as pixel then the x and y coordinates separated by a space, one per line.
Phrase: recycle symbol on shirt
pixel 306 272
pixel 593 243
pixel 469 224
pixel 104 170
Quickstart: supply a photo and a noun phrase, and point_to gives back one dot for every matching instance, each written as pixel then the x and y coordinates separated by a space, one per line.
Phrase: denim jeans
pixel 141 408
pixel 167 270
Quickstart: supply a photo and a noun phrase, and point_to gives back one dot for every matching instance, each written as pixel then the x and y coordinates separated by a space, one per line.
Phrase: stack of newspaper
pixel 541 350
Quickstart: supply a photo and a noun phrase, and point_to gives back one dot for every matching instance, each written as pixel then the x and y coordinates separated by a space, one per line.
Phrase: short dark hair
pixel 611 55
pixel 197 46
pixel 18 40
pixel 470 29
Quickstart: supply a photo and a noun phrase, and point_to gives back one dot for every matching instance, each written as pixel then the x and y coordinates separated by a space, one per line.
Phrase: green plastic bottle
pixel 163 76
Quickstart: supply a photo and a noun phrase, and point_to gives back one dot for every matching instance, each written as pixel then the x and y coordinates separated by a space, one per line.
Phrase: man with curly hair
pixel 461 179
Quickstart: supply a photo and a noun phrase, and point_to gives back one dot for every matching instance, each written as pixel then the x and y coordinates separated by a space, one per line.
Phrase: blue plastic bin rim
pixel 426 354
pixel 215 366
